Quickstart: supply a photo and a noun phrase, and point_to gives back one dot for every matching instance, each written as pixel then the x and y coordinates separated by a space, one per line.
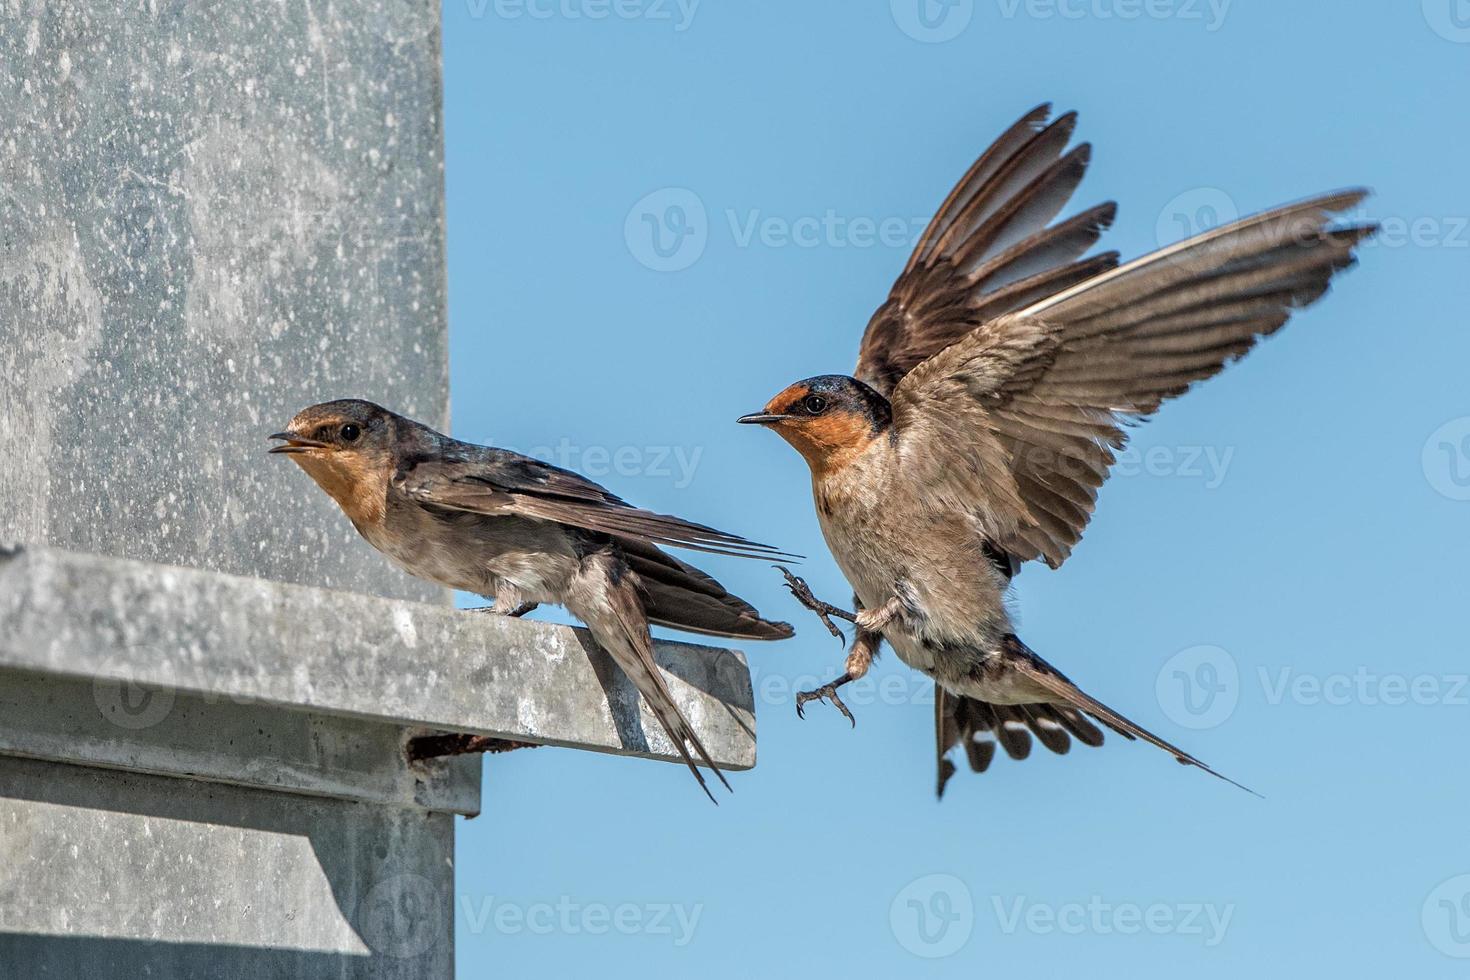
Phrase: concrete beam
pixel 405 664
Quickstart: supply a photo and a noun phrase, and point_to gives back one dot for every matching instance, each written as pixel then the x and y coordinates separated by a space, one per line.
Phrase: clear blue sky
pixel 1277 581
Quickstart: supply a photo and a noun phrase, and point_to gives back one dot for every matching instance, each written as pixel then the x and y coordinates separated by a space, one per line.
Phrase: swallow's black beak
pixel 294 443
pixel 761 418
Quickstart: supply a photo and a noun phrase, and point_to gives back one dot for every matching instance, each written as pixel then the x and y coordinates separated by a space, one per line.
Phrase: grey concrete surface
pixel 339 653
pixel 117 876
pixel 103 721
pixel 213 214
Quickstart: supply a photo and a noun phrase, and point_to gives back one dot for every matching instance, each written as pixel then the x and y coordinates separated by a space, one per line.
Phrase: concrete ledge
pixel 405 664
pixel 120 725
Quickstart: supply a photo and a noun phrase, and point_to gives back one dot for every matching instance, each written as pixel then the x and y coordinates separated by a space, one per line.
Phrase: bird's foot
pixel 827 692
pixel 824 610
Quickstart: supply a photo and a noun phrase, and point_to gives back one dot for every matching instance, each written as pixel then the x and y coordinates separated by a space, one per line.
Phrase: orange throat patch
pixel 359 488
pixel 830 443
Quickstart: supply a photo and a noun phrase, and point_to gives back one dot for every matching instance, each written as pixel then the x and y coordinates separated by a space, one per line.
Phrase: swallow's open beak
pixel 294 443
pixel 761 418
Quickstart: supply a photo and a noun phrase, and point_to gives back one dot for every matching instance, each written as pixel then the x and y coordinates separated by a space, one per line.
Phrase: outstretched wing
pixel 1021 416
pixel 988 249
pixel 498 482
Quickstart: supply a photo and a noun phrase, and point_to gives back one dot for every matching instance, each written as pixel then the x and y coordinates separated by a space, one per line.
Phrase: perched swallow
pixel 522 532
pixel 991 392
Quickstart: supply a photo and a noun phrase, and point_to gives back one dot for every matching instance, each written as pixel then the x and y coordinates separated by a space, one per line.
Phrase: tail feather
pixel 1061 711
pixel 1053 681
pixel 610 605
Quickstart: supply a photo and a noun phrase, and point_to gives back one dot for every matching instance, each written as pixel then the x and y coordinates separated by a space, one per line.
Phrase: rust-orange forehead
pixel 787 397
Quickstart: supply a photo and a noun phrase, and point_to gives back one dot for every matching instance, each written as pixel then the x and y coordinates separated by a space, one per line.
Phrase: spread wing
pixel 498 482
pixel 1020 416
pixel 988 249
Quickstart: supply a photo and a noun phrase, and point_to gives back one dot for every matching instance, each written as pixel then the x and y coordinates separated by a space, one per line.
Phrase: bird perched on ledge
pixel 991 391
pixel 523 532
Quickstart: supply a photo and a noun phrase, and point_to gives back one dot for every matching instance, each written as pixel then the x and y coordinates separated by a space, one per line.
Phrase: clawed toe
pixel 824 610
pixel 827 692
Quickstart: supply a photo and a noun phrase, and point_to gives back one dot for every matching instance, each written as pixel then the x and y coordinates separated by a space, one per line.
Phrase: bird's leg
pixel 509 601
pixel 499 610
pixel 859 659
pixel 824 610
pixel 878 619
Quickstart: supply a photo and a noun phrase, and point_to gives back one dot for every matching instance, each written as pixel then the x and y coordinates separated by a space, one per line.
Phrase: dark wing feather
pixel 988 249
pixel 680 596
pixel 498 482
pixel 1023 414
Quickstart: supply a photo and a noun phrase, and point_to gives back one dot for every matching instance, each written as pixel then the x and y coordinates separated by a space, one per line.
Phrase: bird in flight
pixel 523 532
pixel 991 393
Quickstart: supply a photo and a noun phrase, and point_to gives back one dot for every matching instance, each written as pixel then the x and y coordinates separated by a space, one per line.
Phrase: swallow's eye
pixel 350 432
pixel 815 404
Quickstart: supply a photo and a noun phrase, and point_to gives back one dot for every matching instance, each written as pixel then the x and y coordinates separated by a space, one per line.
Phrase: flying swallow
pixel 991 393
pixel 523 532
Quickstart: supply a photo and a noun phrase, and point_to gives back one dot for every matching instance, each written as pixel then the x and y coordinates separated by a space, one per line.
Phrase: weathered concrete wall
pixel 211 215
pixel 223 883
